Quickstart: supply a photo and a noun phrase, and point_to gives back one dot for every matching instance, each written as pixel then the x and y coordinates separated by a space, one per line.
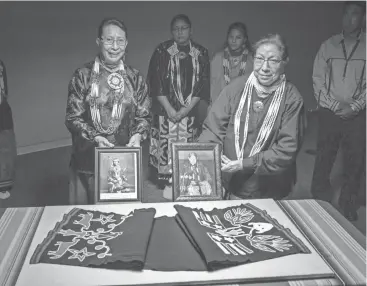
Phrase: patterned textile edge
pixel 17 229
pixel 51 235
pixel 342 253
pixel 286 231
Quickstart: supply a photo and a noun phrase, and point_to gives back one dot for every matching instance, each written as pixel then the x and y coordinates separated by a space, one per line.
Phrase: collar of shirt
pixel 358 37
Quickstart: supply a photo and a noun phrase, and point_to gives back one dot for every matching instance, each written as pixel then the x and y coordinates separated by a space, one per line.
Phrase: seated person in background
pixel 195 178
pixel 117 181
pixel 259 121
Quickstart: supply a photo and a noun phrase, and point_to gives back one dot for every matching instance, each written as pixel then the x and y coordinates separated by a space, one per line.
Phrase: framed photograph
pixel 118 175
pixel 196 172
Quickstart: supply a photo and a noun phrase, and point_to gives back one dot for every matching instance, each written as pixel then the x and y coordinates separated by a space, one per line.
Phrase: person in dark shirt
pixel 178 78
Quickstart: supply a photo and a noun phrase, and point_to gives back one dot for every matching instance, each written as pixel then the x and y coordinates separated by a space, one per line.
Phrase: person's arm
pixel 171 112
pixel 165 103
pixel 216 123
pixel 360 103
pixel 76 109
pixel 202 88
pixel 158 85
pixel 186 109
pixel 320 69
pixel 283 152
pixel 143 116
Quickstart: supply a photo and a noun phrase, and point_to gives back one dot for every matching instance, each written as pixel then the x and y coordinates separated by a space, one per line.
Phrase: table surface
pixel 336 239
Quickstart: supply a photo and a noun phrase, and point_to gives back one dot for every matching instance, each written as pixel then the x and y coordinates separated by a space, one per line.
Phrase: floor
pixel 42 178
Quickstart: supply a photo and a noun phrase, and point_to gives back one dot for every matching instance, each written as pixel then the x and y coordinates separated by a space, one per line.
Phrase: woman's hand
pixel 134 140
pixel 181 114
pixel 231 166
pixel 172 114
pixel 103 142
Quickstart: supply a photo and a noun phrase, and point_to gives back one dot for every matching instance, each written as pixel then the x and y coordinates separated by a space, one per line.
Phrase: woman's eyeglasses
pixel 110 41
pixel 272 62
pixel 177 29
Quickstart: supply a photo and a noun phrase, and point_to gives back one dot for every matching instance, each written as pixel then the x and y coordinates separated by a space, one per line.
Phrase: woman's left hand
pixel 181 114
pixel 231 166
pixel 134 140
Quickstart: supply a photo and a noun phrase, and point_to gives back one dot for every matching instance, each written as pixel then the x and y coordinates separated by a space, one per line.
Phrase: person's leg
pixel 328 140
pixel 78 188
pixel 171 133
pixel 277 187
pixel 90 185
pixel 354 151
pixel 158 151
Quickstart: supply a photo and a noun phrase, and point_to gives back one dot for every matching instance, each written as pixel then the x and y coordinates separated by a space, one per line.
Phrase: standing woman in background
pixel 233 61
pixel 8 149
pixel 178 77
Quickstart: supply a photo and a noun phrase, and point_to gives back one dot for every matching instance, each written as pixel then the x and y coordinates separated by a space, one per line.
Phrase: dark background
pixel 42 43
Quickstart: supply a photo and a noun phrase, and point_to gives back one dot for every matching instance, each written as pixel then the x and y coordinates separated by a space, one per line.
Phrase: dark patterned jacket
pixel 159 77
pixel 136 118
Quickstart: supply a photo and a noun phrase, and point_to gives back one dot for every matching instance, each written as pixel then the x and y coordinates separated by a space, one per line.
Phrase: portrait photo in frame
pixel 196 172
pixel 118 175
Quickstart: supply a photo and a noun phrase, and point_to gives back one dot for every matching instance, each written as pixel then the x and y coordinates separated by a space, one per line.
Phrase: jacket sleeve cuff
pixel 356 106
pixel 334 106
pixel 249 164
pixel 143 135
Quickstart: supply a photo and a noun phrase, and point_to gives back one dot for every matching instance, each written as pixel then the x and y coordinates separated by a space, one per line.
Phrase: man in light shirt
pixel 339 82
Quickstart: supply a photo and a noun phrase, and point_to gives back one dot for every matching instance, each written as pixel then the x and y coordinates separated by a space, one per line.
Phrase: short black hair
pixel 361 4
pixel 181 17
pixel 111 21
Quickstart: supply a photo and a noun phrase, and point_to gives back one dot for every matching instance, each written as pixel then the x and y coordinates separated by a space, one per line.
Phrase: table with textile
pixel 335 238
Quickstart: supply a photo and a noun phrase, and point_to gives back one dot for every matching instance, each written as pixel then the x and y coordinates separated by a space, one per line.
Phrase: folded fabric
pixel 236 235
pixel 170 250
pixel 98 239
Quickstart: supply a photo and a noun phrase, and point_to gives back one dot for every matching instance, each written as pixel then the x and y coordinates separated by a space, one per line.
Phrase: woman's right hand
pixel 172 114
pixel 103 142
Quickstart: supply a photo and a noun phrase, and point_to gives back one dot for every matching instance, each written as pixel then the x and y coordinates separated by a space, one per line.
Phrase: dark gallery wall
pixel 42 43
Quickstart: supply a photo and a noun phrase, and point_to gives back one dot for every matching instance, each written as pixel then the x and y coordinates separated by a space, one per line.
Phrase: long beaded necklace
pixel 174 64
pixel 269 120
pixel 116 84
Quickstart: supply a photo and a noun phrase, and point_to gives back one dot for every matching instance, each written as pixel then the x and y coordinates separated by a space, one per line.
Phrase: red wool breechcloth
pixel 194 240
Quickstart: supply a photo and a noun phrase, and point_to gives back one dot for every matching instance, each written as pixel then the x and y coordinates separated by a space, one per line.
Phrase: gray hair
pixel 275 39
